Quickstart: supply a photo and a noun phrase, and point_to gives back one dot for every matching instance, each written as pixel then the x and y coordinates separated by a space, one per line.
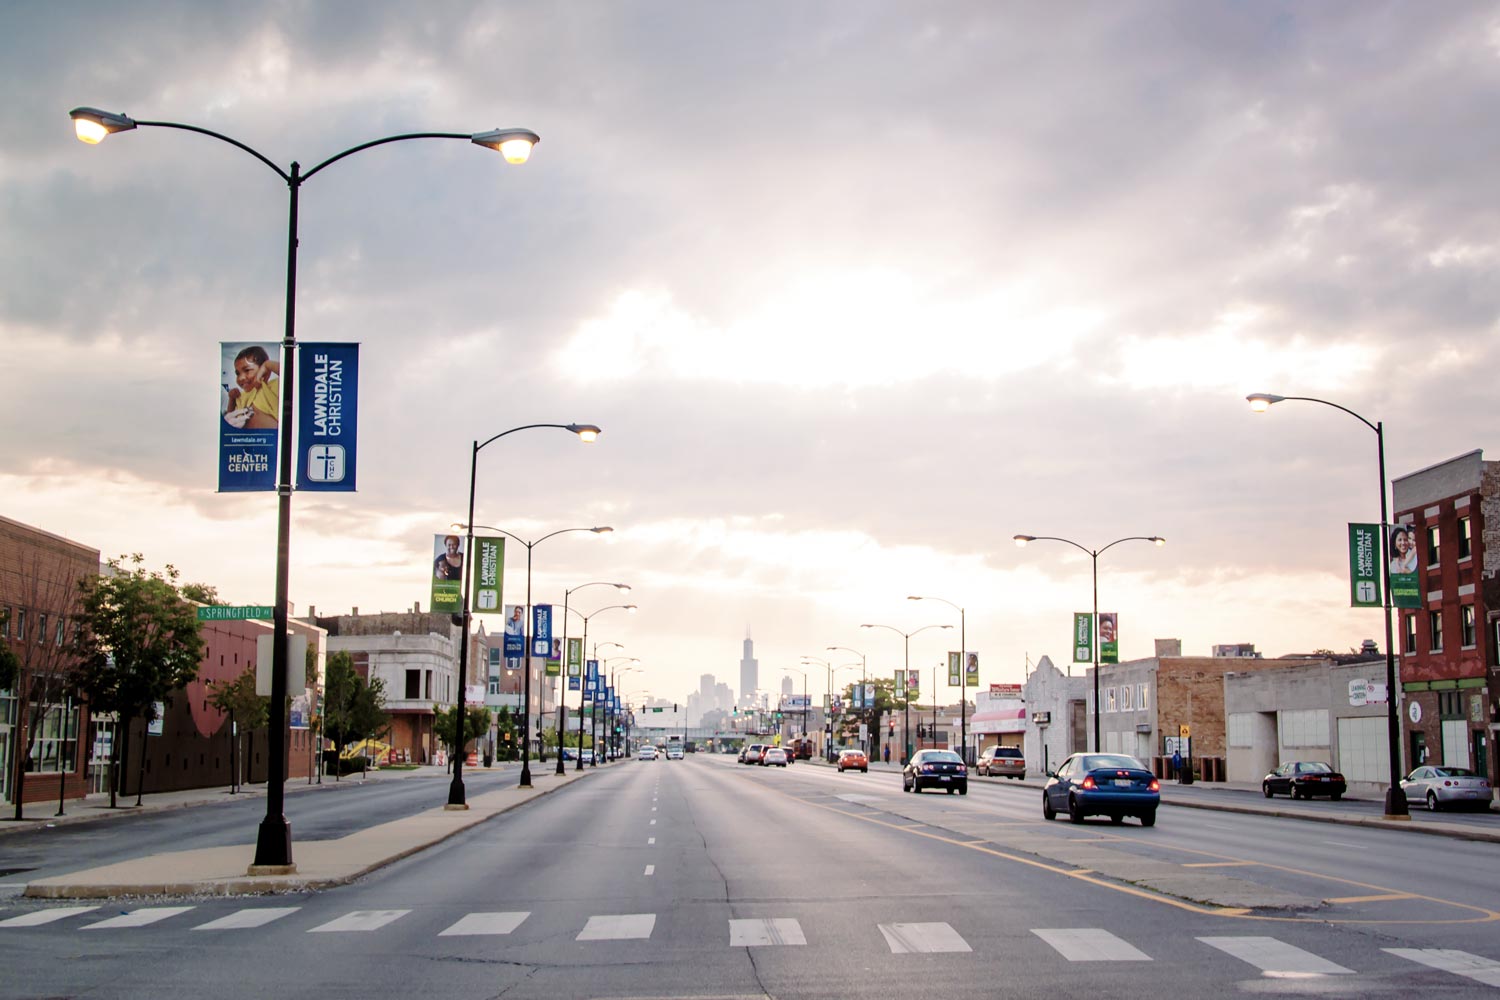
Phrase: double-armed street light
pixel 1093 554
pixel 526 659
pixel 273 846
pixel 864 681
pixel 611 716
pixel 562 714
pixel 963 677
pixel 595 729
pixel 906 694
pixel 1395 797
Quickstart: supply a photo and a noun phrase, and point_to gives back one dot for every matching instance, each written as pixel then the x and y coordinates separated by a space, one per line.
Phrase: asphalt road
pixel 704 878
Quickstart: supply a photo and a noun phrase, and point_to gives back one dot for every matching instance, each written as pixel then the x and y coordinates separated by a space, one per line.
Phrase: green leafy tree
pixel 445 725
pixel 247 710
pixel 200 592
pixel 354 709
pixel 885 701
pixel 139 641
pixel 507 731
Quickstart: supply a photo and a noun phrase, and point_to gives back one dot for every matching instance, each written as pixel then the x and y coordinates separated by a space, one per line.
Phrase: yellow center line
pixel 1219 864
pixel 1372 899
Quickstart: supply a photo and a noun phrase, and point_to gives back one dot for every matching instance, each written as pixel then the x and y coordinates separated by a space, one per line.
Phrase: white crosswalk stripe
pixel 138 918
pixel 486 923
pixel 361 920
pixel 905 939
pixel 1090 944
pixel 773 930
pixel 250 917
pixel 618 927
pixel 1460 963
pixel 40 917
pixel 1270 955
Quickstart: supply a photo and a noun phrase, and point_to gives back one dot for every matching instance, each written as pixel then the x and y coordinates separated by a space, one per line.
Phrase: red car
pixel 851 759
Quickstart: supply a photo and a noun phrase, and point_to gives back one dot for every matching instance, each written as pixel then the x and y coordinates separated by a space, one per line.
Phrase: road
pixel 704 878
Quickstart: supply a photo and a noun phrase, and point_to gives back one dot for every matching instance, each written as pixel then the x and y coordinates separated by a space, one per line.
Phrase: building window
pixel 60 631
pixel 20 624
pixel 1466 626
pixel 5 617
pixel 1450 704
pixel 1126 702
pixel 41 629
pixel 1141 691
pixel 413 684
pixel 56 740
pixel 1435 631
pixel 1409 639
pixel 1465 544
pixel 1432 545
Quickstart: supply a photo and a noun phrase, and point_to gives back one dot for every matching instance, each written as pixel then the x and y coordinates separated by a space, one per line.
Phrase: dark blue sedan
pixel 1102 784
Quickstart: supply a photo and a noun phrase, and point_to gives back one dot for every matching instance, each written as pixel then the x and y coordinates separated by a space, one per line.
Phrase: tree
pixel 200 592
pixel 247 710
pixel 354 709
pixel 885 701
pixel 507 731
pixel 10 667
pixel 445 724
pixel 139 642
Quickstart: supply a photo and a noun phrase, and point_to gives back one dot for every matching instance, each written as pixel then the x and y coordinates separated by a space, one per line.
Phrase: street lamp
pixel 864 680
pixel 611 717
pixel 594 729
pixel 963 677
pixel 562 709
pixel 273 844
pixel 794 670
pixel 1094 554
pixel 526 697
pixel 906 694
pixel 828 704
pixel 1395 796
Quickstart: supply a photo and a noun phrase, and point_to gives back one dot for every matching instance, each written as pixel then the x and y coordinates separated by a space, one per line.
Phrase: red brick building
pixel 1449 673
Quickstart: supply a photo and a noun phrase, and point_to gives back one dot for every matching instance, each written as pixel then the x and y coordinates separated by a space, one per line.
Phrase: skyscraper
pixel 749 674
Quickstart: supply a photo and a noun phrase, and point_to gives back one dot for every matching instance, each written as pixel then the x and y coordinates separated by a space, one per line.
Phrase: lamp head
pixel 1260 402
pixel 1159 541
pixel 603 529
pixel 588 433
pixel 622 586
pixel 92 125
pixel 1021 540
pixel 630 608
pixel 512 143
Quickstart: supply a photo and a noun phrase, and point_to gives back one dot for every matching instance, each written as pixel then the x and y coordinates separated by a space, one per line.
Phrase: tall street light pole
pixel 864 680
pixel 594 728
pixel 1093 554
pixel 794 670
pixel 585 432
pixel 273 844
pixel 906 694
pixel 963 677
pixel 582 684
pixel 1395 797
pixel 610 743
pixel 827 704
pixel 562 701
pixel 526 697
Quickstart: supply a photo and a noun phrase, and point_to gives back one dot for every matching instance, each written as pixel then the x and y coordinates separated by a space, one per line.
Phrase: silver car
pixel 1440 787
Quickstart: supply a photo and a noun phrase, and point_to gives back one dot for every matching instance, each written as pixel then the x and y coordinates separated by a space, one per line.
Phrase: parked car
pixel 1302 779
pixel 674 751
pixel 1009 761
pixel 851 759
pixel 587 753
pixel 935 769
pixel 1102 784
pixel 774 756
pixel 646 753
pixel 1440 787
pixel 751 754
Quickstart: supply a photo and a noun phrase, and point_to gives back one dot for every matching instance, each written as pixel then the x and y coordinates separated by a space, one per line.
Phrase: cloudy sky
pixel 857 292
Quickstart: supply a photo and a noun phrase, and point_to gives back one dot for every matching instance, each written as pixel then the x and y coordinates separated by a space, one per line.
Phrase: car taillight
pixel 1446 783
pixel 928 768
pixel 962 769
pixel 1088 782
pixel 1155 786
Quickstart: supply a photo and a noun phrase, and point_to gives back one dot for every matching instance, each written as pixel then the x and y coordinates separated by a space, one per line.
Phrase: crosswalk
pixel 1270 955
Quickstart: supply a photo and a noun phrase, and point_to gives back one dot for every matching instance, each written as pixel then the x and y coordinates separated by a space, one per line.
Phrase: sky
pixel 856 292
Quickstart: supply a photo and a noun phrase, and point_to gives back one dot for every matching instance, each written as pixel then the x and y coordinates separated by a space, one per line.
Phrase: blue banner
pixel 572 683
pixel 327 426
pixel 249 416
pixel 541 630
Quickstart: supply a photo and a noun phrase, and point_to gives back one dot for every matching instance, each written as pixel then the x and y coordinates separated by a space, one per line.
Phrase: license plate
pixel 947 777
pixel 1124 783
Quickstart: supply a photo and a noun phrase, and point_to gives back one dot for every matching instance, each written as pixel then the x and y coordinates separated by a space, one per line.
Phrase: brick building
pixel 1450 672
pixel 39 577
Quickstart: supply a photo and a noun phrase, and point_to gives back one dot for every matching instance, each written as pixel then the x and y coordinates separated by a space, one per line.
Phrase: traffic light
pixel 921 731
pixel 674 708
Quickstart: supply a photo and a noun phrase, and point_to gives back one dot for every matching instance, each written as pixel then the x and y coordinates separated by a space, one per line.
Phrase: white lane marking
pixel 1460 963
pixel 139 918
pixel 1340 843
pixel 653 822
pixel 1089 944
pixel 904 939
pixel 650 869
pixel 361 920
pixel 474 924
pixel 618 927
pixel 858 799
pixel 773 930
pixel 257 916
pixel 41 917
pixel 1270 955
pixel 653 809
pixel 650 840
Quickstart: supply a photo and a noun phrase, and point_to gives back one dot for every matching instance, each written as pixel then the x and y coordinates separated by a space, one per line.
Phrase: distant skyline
pixel 856 292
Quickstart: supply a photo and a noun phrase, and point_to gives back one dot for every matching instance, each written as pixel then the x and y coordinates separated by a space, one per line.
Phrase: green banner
pixel 1083 637
pixel 955 669
pixel 575 657
pixel 1109 638
pixel 1364 566
pixel 1406 590
pixel 448 573
pixel 489 574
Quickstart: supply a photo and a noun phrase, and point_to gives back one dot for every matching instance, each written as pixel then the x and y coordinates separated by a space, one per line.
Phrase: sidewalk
pixel 224 871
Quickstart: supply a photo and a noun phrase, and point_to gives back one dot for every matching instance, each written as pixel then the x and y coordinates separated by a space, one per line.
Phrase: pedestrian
pixel 887 753
pixel 1177 764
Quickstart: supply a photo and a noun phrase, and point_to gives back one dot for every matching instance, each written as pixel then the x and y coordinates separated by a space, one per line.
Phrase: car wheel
pixel 964 790
pixel 916 789
pixel 864 770
pixel 904 786
pixel 1432 802
pixel 1265 789
pixel 1116 819
pixel 1148 818
pixel 1048 813
pixel 841 770
pixel 952 790
pixel 1075 814
pixel 1296 792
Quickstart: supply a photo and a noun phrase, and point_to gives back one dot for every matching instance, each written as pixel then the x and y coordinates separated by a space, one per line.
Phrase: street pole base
pixel 456 806
pixel 271 870
pixel 273 844
pixel 1395 805
pixel 456 798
